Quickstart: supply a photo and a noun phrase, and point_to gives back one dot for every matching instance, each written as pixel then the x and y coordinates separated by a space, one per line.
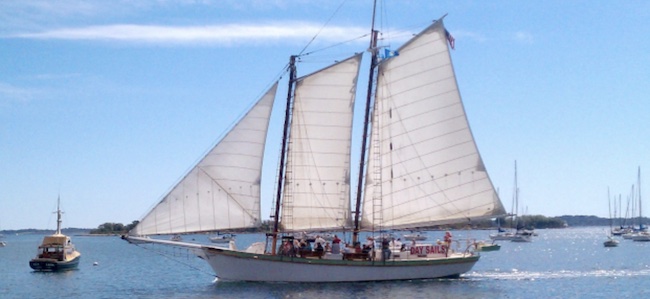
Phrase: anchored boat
pixel 56 252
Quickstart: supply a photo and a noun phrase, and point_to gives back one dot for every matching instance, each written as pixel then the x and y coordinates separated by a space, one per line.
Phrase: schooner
pixel 419 167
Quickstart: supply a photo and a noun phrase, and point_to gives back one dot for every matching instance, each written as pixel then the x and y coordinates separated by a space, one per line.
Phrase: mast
pixel 362 159
pixel 640 210
pixel 58 215
pixel 513 208
pixel 609 206
pixel 285 135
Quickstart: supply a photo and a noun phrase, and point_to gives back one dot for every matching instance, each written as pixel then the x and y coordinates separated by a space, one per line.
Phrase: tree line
pixel 527 221
pixel 113 228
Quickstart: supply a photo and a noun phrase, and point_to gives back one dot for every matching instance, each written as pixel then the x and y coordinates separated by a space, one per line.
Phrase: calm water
pixel 568 263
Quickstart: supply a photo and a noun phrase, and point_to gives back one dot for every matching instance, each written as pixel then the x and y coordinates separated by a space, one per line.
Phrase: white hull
pixel 415 237
pixel 641 237
pixel 502 236
pixel 522 239
pixel 221 240
pixel 242 266
pixel 515 237
pixel 611 242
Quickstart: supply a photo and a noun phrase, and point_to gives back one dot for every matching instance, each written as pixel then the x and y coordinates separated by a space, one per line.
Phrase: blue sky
pixel 109 103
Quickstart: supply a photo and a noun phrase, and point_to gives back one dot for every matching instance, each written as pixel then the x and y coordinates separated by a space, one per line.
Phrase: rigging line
pixel 175 260
pixel 335 45
pixel 321 29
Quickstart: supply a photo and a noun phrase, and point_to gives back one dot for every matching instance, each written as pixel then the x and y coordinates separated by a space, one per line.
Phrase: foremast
pixel 285 136
pixel 366 121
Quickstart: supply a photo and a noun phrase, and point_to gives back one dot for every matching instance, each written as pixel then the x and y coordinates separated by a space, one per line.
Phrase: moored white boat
pixel 521 234
pixel 640 237
pixel 520 238
pixel 415 236
pixel 642 234
pixel 220 239
pixel 610 242
pixel 502 236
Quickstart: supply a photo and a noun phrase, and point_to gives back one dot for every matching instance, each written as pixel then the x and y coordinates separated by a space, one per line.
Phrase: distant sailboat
pixel 521 234
pixel 610 242
pixel 423 169
pixel 219 238
pixel 2 243
pixel 642 235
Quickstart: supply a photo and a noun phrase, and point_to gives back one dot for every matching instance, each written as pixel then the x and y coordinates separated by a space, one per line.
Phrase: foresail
pixel 316 191
pixel 424 167
pixel 223 190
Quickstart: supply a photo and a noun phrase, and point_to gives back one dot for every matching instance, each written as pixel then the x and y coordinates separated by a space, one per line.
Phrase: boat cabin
pixel 55 247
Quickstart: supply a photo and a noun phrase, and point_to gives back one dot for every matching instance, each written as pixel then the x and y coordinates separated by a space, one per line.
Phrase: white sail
pixel 424 167
pixel 317 186
pixel 223 190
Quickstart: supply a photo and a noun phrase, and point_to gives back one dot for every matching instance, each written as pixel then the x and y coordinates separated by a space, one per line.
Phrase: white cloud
pixel 10 93
pixel 220 34
pixel 524 37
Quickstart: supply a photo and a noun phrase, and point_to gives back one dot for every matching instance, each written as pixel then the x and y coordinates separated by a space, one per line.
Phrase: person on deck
pixel 370 242
pixel 319 248
pixel 319 241
pixel 296 246
pixel 336 245
pixel 447 242
pixel 305 246
pixel 385 249
pixel 448 238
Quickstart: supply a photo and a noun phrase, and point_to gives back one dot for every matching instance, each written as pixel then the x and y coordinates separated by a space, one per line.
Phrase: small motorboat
pixel 484 246
pixel 56 252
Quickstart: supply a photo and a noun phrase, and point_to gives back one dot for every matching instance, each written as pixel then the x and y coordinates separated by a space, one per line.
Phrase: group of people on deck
pixel 304 247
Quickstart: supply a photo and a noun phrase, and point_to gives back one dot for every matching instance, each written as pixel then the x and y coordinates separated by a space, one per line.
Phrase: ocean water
pixel 559 263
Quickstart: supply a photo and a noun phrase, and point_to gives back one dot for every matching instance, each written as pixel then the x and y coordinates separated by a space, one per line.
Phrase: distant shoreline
pixel 569 220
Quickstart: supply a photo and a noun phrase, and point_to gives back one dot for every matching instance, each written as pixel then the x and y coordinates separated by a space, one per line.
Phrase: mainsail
pixel 223 190
pixel 424 167
pixel 317 186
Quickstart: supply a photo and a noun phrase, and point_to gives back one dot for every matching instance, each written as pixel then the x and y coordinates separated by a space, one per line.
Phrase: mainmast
pixel 58 216
pixel 285 136
pixel 366 122
pixel 640 209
